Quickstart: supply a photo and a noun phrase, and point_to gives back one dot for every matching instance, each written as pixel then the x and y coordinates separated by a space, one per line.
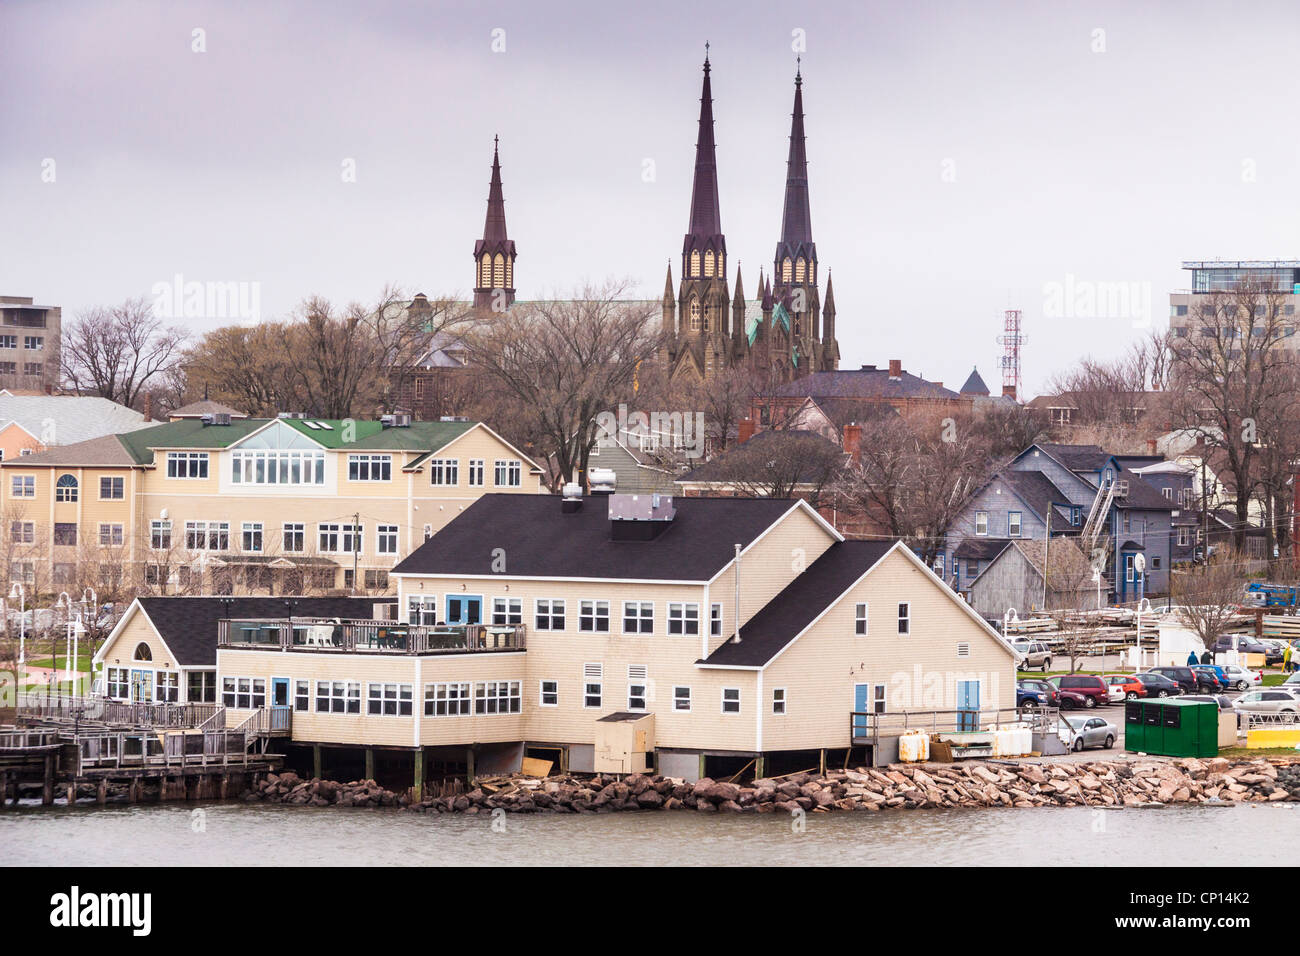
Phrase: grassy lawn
pixel 1273 679
pixel 83 662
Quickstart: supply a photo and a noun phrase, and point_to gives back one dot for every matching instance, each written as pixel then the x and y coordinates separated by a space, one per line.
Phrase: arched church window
pixel 485 272
pixel 694 311
pixel 722 266
pixel 799 268
pixel 695 263
pixel 785 270
pixel 499 272
pixel 510 272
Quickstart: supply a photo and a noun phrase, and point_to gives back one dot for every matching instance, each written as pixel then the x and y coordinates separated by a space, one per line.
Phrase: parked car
pixel 1182 676
pixel 1207 679
pixel 1270 700
pixel 1047 688
pixel 1223 702
pixel 1292 680
pixel 1031 696
pixel 1158 685
pixel 1036 654
pixel 1127 685
pixel 1217 671
pixel 1093 689
pixel 1242 678
pixel 1090 732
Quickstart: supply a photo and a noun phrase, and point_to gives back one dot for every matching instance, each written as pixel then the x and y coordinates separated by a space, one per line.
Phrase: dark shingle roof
pixel 188 625
pixel 866 382
pixel 981 549
pixel 975 384
pixel 1035 489
pixel 807 596
pixel 1142 494
pixel 1077 457
pixel 530 536
pixel 815 455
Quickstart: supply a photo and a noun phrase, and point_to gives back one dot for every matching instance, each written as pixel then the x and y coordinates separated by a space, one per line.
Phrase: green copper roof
pixel 330 433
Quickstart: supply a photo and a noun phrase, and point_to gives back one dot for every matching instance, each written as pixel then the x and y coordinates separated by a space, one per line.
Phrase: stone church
pixel 786 330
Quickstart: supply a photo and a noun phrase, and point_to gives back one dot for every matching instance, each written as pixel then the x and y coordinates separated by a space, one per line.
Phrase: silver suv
pixel 1036 654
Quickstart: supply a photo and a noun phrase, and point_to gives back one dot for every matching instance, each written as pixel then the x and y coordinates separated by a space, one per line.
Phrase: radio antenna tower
pixel 1011 340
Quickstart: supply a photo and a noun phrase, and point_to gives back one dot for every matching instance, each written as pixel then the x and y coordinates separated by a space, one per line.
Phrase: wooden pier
pixel 60 749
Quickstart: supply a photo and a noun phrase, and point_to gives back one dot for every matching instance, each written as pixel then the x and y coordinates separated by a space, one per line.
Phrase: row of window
pixel 331 537
pixel 32 343
pixel 1014 523
pixel 594 617
pixel 29 368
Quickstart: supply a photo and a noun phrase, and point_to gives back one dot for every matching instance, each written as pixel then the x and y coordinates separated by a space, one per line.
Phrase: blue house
pixel 1076 490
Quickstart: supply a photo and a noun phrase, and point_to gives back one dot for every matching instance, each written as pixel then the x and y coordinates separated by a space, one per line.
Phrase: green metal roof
pixel 370 435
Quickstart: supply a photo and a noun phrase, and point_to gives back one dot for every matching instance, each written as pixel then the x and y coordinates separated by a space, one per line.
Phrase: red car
pixel 1094 690
pixel 1133 688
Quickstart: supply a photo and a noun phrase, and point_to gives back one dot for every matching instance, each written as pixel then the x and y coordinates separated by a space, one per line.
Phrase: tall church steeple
pixel 494 254
pixel 704 303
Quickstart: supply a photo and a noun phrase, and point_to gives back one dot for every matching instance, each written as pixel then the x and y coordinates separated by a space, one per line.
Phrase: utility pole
pixel 1047 544
pixel 356 547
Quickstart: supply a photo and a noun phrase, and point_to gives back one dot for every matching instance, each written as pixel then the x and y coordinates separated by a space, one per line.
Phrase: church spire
pixel 494 254
pixel 796 253
pixel 705 228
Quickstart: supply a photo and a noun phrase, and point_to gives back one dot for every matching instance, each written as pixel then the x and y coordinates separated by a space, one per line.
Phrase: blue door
pixel 280 692
pixel 968 705
pixel 141 687
pixel 859 711
pixel 464 609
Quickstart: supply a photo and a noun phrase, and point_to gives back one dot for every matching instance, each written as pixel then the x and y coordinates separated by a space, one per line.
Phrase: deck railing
pixel 864 726
pixel 12 740
pixel 219 748
pixel 106 711
pixel 317 635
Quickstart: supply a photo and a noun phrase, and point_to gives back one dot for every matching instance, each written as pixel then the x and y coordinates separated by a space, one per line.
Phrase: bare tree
pixel 1209 594
pixel 1232 373
pixel 117 352
pixel 916 473
pixel 782 464
pixel 564 362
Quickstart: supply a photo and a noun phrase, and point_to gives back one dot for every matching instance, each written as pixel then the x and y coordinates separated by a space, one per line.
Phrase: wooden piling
pixel 316 767
pixel 101 791
pixel 419 773
pixel 370 763
pixel 47 790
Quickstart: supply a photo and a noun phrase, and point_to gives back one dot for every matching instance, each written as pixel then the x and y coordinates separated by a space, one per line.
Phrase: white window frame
pixel 370 468
pixel 115 483
pixel 715 619
pixel 391 699
pixel 679 698
pixel 116 534
pixel 724 701
pixel 593 675
pixel 1015 524
pixel 477 470
pixel 982 523
pixel 512 469
pixel 547 612
pixel 591 608
pixel 905 618
pixel 347 693
pixel 454 698
pixel 258 533
pixel 296 532
pixel 687 619
pixel 779 701
pixel 860 611
pixel 160 535
pixel 189 462
pixel 444 472
pixel 507 611
pixel 491 694
pixel 543 693
pixel 386 536
pixel 22 486
pixel 639 617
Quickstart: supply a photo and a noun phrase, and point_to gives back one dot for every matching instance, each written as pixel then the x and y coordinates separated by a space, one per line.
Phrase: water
pixel 232 833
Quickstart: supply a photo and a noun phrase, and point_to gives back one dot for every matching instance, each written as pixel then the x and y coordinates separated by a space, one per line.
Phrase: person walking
pixel 1286 659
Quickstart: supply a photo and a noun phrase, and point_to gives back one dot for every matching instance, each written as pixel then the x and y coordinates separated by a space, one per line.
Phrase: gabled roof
pixel 103 452
pixel 785 616
pixel 514 535
pixel 1035 489
pixel 1086 458
pixel 867 382
pixel 1065 562
pixel 188 625
pixel 68 419
pixel 743 462
pixel 980 549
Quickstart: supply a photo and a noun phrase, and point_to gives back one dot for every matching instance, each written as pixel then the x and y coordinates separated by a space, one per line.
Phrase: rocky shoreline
pixel 1117 784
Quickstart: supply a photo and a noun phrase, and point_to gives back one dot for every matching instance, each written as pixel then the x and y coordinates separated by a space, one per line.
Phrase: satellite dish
pixel 1139 563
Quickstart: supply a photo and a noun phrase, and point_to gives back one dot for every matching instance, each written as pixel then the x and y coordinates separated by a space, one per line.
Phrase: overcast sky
pixel 963 156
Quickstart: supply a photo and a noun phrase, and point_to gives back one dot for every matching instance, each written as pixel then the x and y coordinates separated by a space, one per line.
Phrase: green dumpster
pixel 1174 728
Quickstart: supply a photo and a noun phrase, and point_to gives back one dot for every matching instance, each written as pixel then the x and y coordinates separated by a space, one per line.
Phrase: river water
pixel 217 834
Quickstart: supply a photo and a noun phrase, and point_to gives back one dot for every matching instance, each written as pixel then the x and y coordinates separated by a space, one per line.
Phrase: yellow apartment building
pixel 600 634
pixel 221 504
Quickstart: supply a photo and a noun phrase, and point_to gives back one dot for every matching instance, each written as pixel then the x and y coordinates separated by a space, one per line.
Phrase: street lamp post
pixel 65 602
pixel 22 628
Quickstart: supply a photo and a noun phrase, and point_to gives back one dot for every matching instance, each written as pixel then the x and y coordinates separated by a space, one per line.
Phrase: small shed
pixel 624 742
pixel 1015 579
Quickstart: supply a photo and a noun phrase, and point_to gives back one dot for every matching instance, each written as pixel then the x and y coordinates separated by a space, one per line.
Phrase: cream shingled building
pixel 207 504
pixel 601 634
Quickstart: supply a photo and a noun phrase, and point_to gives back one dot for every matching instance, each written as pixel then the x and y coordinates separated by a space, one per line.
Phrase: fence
pixel 63 707
pixel 367 636
pixel 872 726
pixel 218 748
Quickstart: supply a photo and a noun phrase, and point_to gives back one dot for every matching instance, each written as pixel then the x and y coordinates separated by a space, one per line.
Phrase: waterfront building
pixel 747 629
pixel 217 503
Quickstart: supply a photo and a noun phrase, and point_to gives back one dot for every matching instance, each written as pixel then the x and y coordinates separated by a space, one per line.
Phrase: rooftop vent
pixel 639 517
pixel 396 420
pixel 572 502
pixel 603 481
pixel 219 418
